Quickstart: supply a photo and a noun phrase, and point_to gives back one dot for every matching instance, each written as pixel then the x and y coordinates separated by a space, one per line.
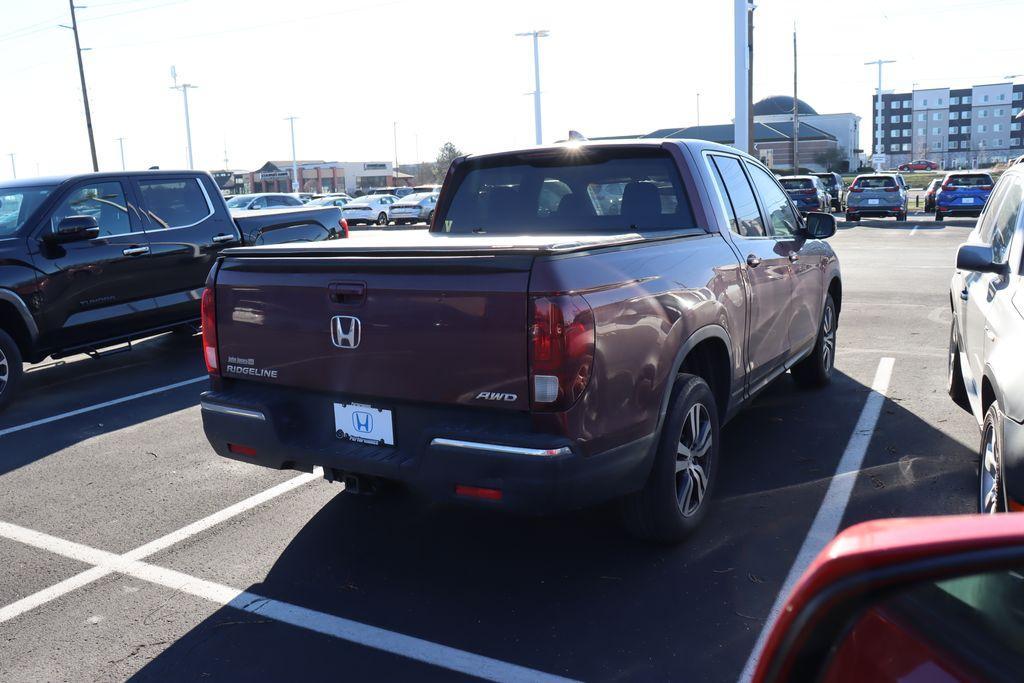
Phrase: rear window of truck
pixel 571 190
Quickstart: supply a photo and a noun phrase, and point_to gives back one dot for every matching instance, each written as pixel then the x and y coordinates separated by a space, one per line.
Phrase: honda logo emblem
pixel 345 331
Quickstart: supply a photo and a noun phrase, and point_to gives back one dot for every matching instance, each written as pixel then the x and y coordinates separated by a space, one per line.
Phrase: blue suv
pixel 962 194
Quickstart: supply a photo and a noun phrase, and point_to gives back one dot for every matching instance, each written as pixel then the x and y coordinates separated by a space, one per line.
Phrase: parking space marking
pixel 833 506
pixel 356 632
pixel 99 406
pixel 86 577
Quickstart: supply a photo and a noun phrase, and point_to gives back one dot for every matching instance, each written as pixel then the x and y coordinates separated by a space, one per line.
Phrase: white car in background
pixel 413 208
pixel 263 200
pixel 369 209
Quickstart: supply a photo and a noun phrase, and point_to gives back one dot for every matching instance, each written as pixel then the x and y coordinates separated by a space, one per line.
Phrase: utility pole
pixel 226 167
pixel 394 134
pixel 796 113
pixel 751 146
pixel 879 150
pixel 741 77
pixel 698 108
pixel 184 88
pixel 295 163
pixel 85 92
pixel 536 79
pixel 120 141
pixel 14 170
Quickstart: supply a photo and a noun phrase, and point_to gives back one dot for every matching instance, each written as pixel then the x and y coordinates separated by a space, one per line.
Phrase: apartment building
pixel 956 127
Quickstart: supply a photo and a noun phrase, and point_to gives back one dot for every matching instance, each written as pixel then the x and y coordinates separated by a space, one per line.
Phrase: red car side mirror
pixel 906 599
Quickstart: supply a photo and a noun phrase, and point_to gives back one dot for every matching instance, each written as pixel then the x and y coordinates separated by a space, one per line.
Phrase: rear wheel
pixel 938 217
pixel 901 216
pixel 991 496
pixel 954 372
pixel 10 369
pixel 430 218
pixel 382 218
pixel 851 217
pixel 675 499
pixel 816 369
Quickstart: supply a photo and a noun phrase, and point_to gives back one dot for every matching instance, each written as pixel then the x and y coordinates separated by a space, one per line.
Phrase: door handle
pixel 223 238
pixel 963 294
pixel 135 251
pixel 794 256
pixel 753 261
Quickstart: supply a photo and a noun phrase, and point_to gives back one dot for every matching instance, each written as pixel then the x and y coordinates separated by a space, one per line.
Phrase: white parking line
pixel 914 231
pixel 86 577
pixel 410 647
pixel 99 406
pixel 830 513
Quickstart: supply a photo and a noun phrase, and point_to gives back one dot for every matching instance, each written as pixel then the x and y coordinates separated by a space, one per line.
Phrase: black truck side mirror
pixel 74 229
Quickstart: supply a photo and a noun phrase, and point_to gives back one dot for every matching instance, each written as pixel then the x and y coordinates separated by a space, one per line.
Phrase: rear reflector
pixel 477 492
pixel 239 449
pixel 545 388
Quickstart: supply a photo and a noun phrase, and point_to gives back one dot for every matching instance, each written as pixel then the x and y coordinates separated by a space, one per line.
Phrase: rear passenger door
pixel 186 232
pixel 766 273
pixel 804 256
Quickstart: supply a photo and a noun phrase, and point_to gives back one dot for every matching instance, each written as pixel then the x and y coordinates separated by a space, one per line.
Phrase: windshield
pixel 239 201
pixel 329 201
pixel 17 204
pixel 972 180
pixel 797 183
pixel 600 191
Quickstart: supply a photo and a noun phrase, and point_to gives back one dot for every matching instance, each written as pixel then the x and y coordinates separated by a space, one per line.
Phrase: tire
pixel 851 218
pixel 382 218
pixel 676 496
pixel 816 370
pixel 10 369
pixel 902 216
pixel 954 373
pixel 991 484
pixel 430 218
pixel 938 217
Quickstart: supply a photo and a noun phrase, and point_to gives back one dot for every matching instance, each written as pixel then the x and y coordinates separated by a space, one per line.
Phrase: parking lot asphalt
pixel 131 550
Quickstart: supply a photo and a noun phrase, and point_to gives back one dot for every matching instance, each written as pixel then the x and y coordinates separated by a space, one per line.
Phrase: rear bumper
pixel 436 450
pixel 874 210
pixel 959 210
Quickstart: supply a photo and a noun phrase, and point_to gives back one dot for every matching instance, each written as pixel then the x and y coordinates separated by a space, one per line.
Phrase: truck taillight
pixel 562 339
pixel 854 188
pixel 208 314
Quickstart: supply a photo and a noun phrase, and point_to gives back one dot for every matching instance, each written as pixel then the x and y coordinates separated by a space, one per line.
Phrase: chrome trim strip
pixel 498 448
pixel 230 410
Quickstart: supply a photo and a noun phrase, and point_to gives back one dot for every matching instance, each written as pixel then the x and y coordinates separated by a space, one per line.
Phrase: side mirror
pixel 74 229
pixel 820 226
pixel 978 258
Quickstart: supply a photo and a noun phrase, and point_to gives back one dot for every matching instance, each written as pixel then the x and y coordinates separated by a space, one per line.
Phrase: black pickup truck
pixel 89 261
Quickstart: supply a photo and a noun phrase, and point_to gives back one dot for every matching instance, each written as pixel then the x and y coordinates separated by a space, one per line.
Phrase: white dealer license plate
pixel 872 201
pixel 363 423
pixel 967 200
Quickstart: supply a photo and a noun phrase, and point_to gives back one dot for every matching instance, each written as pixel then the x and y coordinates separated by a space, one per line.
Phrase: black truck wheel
pixel 10 369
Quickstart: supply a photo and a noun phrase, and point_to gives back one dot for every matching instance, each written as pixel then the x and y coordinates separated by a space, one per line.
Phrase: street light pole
pixel 295 163
pixel 741 84
pixel 14 171
pixel 878 112
pixel 184 88
pixel 698 108
pixel 536 79
pixel 796 113
pixel 120 141
pixel 85 92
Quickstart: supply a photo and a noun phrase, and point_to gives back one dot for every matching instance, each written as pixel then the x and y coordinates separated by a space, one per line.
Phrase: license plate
pixel 967 200
pixel 363 423
pixel 872 201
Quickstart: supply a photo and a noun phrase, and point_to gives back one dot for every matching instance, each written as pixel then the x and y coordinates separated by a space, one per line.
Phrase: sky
pixel 355 72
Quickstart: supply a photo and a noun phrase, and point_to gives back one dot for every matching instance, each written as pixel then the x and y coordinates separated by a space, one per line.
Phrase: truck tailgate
pixel 439 329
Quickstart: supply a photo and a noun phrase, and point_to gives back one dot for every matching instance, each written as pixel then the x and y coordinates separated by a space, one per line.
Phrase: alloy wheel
pixel 692 465
pixel 382 219
pixel 989 493
pixel 828 337
pixel 5 371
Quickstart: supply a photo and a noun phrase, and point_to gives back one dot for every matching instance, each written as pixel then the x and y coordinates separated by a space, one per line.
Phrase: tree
pixel 829 158
pixel 445 156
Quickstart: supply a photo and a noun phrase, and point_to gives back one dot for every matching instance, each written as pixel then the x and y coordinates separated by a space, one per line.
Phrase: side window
pixel 987 222
pixel 103 201
pixel 259 203
pixel 747 221
pixel 776 203
pixel 1005 221
pixel 291 201
pixel 171 203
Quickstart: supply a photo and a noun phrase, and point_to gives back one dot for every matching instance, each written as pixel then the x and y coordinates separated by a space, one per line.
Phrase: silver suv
pixel 876 194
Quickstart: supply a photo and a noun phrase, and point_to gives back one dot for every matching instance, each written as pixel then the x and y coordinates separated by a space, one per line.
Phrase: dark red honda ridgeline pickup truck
pixel 575 327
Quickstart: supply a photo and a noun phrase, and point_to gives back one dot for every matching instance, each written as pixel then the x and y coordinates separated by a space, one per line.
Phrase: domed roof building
pixel 782 104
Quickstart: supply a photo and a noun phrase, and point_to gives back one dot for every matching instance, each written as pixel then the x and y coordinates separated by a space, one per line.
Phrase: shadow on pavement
pixel 55 387
pixel 573 594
